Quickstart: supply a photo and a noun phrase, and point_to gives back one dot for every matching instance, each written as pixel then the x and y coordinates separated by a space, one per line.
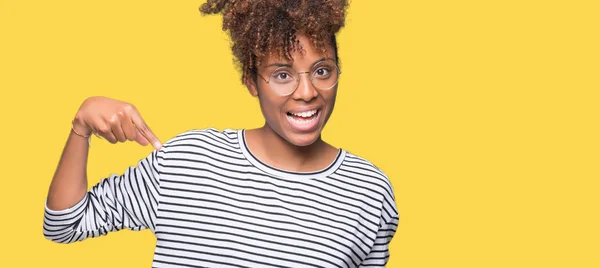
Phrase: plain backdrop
pixel 484 115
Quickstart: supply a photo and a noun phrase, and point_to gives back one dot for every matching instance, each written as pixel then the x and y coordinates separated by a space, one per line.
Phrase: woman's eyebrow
pixel 283 64
pixel 322 59
pixel 279 64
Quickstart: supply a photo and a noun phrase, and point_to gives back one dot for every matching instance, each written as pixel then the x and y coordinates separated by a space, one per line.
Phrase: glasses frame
pixel 310 78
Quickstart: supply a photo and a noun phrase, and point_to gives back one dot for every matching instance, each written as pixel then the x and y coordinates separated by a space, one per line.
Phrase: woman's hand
pixel 114 120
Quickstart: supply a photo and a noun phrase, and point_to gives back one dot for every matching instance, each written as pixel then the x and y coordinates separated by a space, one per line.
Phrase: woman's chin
pixel 302 140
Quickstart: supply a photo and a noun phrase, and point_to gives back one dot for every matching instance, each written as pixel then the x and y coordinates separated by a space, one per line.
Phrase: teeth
pixel 305 114
pixel 302 122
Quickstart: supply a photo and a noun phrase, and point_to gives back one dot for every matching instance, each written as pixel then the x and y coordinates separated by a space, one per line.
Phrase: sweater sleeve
pixel 380 253
pixel 128 200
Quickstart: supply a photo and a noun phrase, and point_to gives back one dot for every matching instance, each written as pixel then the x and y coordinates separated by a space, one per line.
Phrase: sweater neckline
pixel 331 168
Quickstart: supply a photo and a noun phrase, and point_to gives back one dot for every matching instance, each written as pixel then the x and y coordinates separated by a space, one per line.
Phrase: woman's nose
pixel 305 91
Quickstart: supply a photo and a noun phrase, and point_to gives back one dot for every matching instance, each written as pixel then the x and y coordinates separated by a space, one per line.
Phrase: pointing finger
pixel 141 126
pixel 139 138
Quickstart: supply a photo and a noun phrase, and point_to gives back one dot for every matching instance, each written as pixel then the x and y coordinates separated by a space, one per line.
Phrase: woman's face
pixel 299 117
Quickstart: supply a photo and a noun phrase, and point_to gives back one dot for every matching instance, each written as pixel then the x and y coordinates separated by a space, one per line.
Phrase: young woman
pixel 274 196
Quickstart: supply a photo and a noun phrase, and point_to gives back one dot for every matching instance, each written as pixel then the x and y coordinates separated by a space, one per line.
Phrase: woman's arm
pixel 129 200
pixel 70 208
pixel 69 183
pixel 380 252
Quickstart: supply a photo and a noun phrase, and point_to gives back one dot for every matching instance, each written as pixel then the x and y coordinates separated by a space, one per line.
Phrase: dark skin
pixel 276 143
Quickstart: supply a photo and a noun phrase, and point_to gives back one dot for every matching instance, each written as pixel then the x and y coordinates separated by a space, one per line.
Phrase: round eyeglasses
pixel 285 80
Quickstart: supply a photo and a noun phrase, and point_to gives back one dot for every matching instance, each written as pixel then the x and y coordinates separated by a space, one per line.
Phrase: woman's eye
pixel 282 76
pixel 322 72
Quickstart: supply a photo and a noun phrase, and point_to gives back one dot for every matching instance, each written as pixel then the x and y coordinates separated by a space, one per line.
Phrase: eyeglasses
pixel 285 80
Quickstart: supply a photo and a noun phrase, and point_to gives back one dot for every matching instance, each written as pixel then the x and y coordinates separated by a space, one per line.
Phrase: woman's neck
pixel 272 149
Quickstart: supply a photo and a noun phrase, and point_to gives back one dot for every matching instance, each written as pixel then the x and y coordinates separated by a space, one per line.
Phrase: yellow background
pixel 484 114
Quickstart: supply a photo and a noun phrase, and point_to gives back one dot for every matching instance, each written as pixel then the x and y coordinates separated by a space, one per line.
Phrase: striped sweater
pixel 212 203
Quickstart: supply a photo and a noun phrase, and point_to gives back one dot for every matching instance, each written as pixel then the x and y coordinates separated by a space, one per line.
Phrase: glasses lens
pixel 325 74
pixel 283 80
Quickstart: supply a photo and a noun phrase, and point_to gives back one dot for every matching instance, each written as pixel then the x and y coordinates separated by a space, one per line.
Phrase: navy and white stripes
pixel 211 203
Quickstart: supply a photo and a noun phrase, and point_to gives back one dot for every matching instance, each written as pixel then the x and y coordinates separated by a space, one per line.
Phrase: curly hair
pixel 259 28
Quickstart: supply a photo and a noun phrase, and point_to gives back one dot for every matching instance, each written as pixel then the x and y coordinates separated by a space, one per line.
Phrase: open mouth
pixel 304 121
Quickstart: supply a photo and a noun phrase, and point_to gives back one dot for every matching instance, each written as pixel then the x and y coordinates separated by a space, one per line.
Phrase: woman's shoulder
pixel 209 134
pixel 367 170
pixel 375 178
pixel 357 161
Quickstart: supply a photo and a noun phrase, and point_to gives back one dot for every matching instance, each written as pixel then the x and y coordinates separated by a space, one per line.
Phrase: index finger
pixel 141 126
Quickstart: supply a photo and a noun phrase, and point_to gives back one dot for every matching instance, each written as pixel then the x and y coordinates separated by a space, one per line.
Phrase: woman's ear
pixel 251 84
